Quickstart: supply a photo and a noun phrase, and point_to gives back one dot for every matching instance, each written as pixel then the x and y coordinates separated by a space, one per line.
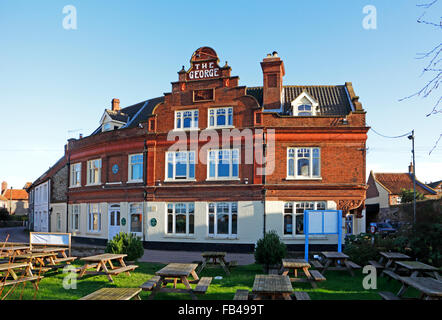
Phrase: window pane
pixel 169 223
pixel 303 167
pixel 187 123
pixel 211 223
pixel 316 167
pixel 191 223
pixel 300 224
pixel 288 224
pixel 291 167
pixel 135 222
pixel 180 223
pixel 223 223
pixel 234 223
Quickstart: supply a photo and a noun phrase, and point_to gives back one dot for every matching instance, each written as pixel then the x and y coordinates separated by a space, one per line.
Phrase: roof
pixel 133 114
pixel 395 182
pixel 17 194
pixel 434 184
pixel 333 100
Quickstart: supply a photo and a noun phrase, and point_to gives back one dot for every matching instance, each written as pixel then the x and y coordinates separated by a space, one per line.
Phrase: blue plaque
pixel 115 168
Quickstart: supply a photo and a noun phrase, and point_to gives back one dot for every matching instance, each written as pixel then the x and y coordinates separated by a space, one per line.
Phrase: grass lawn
pixel 338 286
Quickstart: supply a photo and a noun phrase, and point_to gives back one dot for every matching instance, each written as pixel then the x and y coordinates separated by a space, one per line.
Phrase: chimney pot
pixel 410 168
pixel 115 104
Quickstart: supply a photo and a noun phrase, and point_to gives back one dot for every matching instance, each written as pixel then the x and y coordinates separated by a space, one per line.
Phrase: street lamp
pixel 411 137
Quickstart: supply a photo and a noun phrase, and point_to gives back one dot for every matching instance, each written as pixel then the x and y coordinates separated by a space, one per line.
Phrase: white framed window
pixel 220 117
pixel 303 163
pixel 293 216
pixel 223 219
pixel 223 164
pixel 187 119
pixel 181 218
pixel 107 126
pixel 136 167
pixel 94 217
pixel 304 110
pixel 75 175
pixel 180 165
pixel 75 218
pixel 136 218
pixel 94 172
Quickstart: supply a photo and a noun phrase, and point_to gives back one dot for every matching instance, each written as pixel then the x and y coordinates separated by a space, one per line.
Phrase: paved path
pixel 18 234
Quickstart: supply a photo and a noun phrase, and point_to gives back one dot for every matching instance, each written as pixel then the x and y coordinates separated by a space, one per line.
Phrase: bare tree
pixel 432 67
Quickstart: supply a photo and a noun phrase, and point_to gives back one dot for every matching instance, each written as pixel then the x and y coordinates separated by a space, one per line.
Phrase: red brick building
pixel 163 170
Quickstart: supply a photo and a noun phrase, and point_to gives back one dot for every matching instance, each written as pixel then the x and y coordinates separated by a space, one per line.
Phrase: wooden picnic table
pixel 38 258
pixel 416 268
pixel 11 269
pixel 391 257
pixel 114 294
pixel 13 250
pixel 430 288
pixel 298 265
pixel 99 262
pixel 175 272
pixel 273 286
pixel 211 257
pixel 339 260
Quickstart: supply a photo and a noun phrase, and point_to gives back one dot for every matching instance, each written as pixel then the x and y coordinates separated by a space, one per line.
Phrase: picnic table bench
pixel 273 286
pixel 10 269
pixel 175 272
pixel 301 265
pixel 13 250
pixel 340 260
pixel 114 294
pixel 44 260
pixel 99 262
pixel 241 294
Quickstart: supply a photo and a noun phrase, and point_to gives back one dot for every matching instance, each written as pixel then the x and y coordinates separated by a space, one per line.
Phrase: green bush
pixel 360 248
pixel 128 244
pixel 270 249
pixel 4 214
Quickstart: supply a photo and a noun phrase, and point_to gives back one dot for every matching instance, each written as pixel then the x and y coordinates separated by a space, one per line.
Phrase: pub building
pixel 149 168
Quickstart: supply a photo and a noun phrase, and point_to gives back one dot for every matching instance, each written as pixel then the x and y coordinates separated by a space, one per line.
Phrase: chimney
pixel 115 104
pixel 273 71
pixel 410 168
pixel 4 187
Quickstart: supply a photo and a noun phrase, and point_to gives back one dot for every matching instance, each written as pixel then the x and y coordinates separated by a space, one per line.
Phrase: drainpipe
pixel 144 191
pixel 68 165
pixel 264 191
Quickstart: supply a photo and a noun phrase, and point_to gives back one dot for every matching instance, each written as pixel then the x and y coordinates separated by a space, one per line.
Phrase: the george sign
pixel 204 70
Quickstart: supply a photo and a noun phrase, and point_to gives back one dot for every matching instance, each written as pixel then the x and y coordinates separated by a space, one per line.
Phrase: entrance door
pixel 114 221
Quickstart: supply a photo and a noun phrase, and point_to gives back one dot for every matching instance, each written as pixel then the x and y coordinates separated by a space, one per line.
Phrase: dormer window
pixel 304 105
pixel 304 110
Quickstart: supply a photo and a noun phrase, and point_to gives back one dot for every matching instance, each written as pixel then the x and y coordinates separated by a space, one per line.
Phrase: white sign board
pixel 50 238
pixel 323 222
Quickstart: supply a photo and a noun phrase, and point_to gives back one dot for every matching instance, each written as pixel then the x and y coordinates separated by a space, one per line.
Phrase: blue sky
pixel 55 81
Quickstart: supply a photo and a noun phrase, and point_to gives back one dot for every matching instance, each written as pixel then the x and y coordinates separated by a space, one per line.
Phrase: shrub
pixel 128 244
pixel 360 248
pixel 270 249
pixel 408 195
pixel 4 214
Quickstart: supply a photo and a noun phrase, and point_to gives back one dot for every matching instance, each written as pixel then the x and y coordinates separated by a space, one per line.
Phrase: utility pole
pixel 411 137
pixel 10 203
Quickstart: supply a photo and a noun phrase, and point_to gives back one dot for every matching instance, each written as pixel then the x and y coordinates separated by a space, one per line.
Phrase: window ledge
pixel 93 184
pixel 135 181
pixel 302 237
pixel 222 238
pixel 223 179
pixel 93 233
pixel 179 236
pixel 112 183
pixel 220 127
pixel 186 129
pixel 180 180
pixel 299 178
pixel 76 186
